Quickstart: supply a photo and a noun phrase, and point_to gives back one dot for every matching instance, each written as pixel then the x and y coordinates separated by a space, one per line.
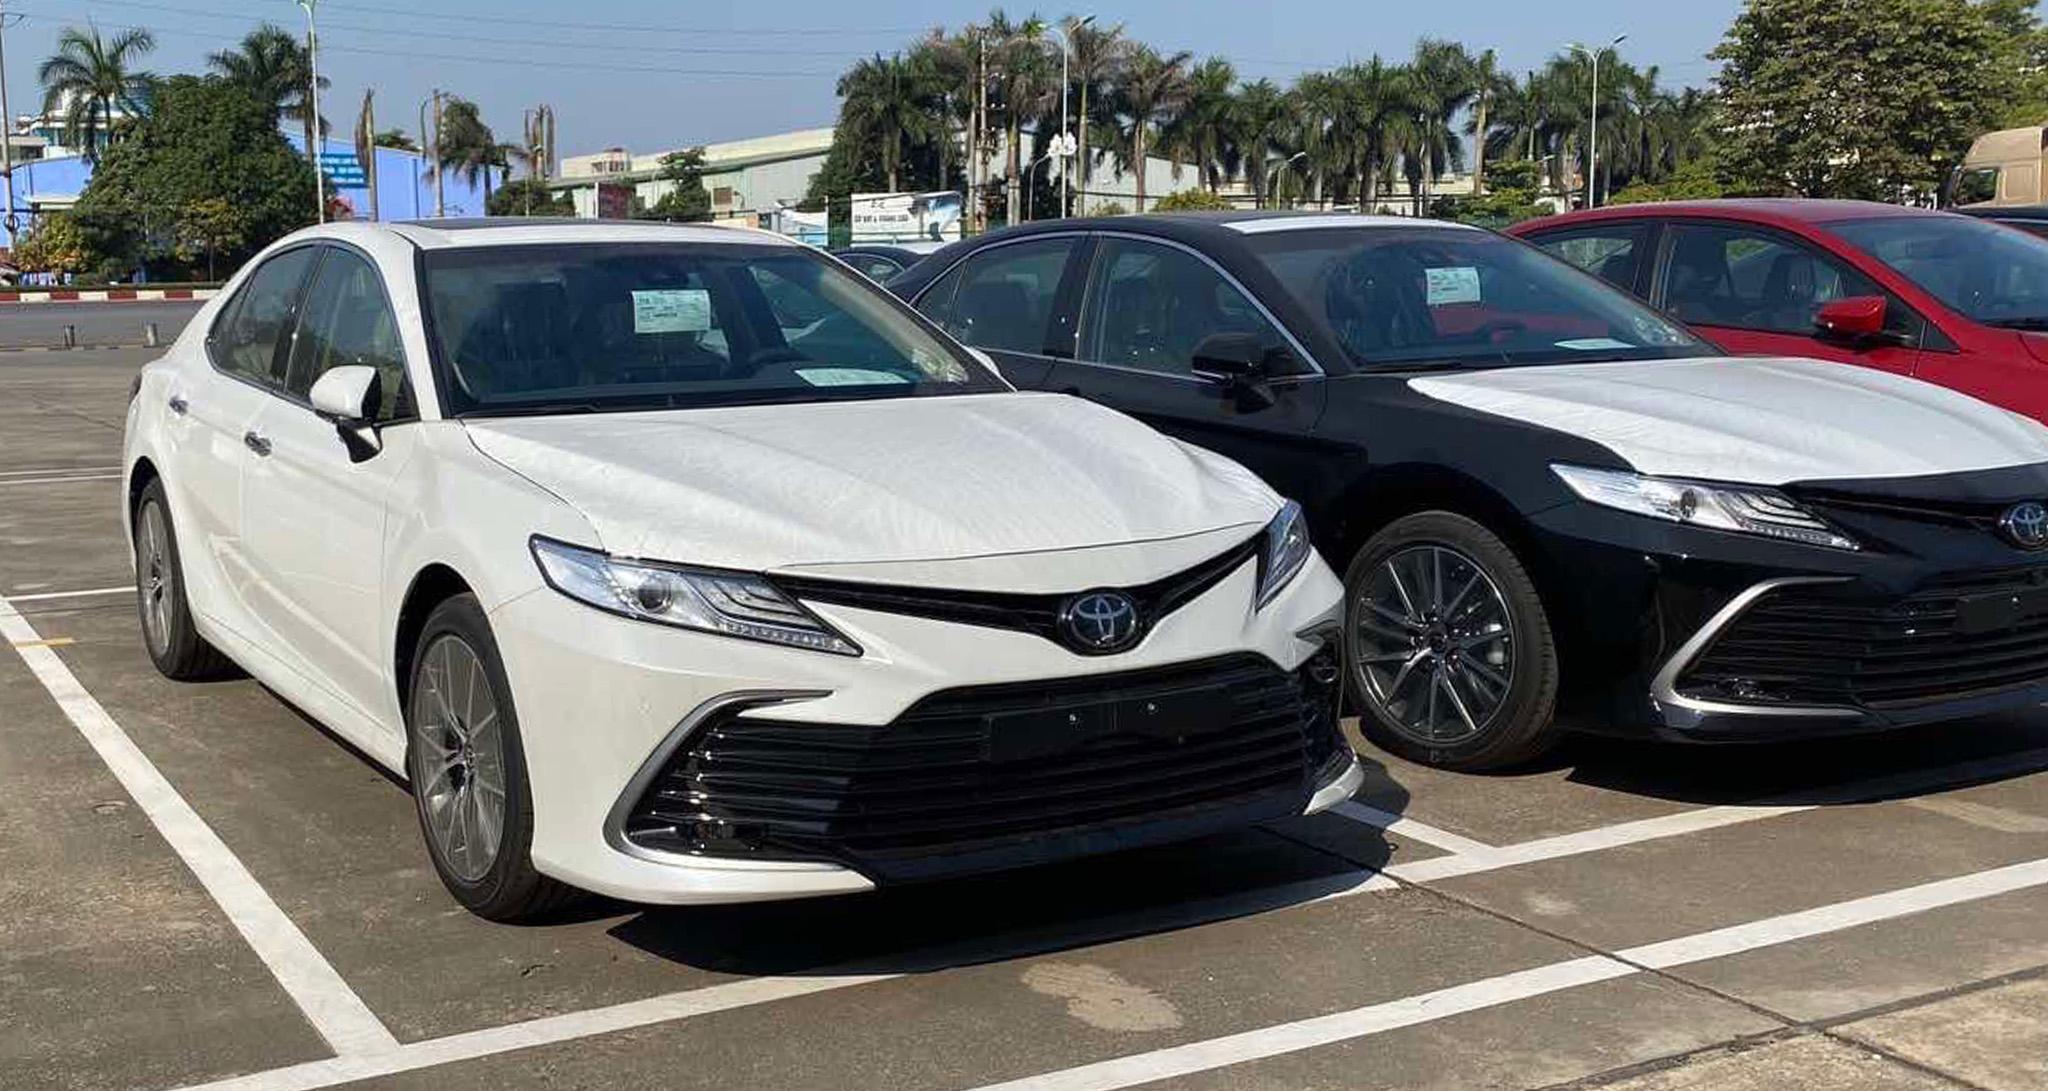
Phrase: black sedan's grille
pixel 990 776
pixel 1826 644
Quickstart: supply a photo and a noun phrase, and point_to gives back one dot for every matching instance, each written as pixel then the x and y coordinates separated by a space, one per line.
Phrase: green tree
pixel 529 197
pixel 687 201
pixel 88 77
pixel 53 244
pixel 1875 99
pixel 205 140
pixel 1095 56
pixel 1695 181
pixel 207 227
pixel 884 104
pixel 1150 88
pixel 1192 200
pixel 468 147
pixel 274 66
pixel 1202 131
pixel 395 138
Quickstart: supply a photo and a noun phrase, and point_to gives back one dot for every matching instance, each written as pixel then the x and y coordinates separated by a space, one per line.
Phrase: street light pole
pixel 313 98
pixel 7 217
pixel 1593 130
pixel 1066 56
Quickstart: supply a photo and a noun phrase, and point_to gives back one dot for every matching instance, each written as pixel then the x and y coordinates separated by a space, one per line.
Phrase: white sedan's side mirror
pixel 345 394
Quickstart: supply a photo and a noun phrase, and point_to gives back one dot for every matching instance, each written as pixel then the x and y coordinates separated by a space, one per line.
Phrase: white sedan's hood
pixel 888 480
pixel 1762 421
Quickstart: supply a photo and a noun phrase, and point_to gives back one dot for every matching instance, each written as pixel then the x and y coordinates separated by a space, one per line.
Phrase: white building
pixel 742 176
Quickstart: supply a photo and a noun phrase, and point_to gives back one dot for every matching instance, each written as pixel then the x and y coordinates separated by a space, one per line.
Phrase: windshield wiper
pixel 549 409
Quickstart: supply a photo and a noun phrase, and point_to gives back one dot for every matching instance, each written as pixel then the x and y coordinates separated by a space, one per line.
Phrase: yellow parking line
pixel 52 642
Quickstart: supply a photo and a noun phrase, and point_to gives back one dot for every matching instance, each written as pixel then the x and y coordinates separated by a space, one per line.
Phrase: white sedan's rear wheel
pixel 173 642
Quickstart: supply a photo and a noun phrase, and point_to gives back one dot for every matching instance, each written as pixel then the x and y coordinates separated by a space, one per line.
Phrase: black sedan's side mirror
pixel 1237 362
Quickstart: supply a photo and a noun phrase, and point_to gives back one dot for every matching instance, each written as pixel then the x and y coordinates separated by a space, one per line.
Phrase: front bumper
pixel 1690 634
pixel 606 703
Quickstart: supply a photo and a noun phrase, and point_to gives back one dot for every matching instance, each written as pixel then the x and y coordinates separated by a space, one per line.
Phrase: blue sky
pixel 654 74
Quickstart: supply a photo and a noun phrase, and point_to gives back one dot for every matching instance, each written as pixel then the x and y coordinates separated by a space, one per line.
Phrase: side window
pixel 1612 253
pixel 246 338
pixel 347 319
pixel 1148 306
pixel 1002 298
pixel 1755 280
pixel 874 266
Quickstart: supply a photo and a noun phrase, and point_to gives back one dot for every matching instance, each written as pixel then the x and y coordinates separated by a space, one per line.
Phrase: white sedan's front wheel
pixel 468 770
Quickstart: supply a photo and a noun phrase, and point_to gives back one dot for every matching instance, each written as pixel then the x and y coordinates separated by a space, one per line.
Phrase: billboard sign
pixel 614 201
pixel 343 169
pixel 906 217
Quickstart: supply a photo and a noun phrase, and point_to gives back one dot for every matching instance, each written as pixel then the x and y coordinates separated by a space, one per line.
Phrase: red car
pixel 1953 300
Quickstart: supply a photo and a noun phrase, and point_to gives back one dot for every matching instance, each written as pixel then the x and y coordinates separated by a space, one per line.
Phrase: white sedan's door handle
pixel 179 405
pixel 256 443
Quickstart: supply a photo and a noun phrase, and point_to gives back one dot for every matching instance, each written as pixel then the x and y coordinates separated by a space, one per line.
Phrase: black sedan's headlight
pixel 708 600
pixel 1743 509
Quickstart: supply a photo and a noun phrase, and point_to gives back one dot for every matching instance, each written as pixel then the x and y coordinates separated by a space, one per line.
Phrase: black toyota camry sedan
pixel 1555 508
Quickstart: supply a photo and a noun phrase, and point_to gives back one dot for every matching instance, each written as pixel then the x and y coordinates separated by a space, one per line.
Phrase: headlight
pixel 1740 508
pixel 1285 550
pixel 731 603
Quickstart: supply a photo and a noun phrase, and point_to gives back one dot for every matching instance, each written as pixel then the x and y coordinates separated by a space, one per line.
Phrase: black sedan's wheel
pixel 1448 654
pixel 468 770
pixel 174 644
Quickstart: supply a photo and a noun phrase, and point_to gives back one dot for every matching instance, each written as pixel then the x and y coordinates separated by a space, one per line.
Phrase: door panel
pixel 1146 306
pixel 1757 291
pixel 313 516
pixel 221 405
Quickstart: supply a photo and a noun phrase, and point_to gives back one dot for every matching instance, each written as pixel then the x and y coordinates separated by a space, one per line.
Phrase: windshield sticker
pixel 848 376
pixel 1594 344
pixel 1456 284
pixel 672 310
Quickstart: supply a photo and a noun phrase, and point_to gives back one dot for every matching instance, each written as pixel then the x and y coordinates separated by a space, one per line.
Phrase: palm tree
pixel 1488 83
pixel 468 147
pixel 1150 88
pixel 89 77
pixel 1094 56
pixel 1025 83
pixel 1376 106
pixel 395 138
pixel 1259 130
pixel 883 104
pixel 276 68
pixel 943 71
pixel 1201 131
pixel 1442 80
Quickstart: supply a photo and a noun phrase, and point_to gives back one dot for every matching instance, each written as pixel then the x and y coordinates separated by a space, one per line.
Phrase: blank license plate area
pixel 2001 610
pixel 1046 732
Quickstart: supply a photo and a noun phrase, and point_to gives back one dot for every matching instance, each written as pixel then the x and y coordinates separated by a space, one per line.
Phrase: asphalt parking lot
pixel 42 325
pixel 202 889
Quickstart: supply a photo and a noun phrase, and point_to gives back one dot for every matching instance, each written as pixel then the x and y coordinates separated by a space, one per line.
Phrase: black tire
pixel 1492 628
pixel 451 763
pixel 173 642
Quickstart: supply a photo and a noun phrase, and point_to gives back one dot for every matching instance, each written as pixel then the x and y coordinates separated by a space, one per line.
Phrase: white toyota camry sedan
pixel 684 565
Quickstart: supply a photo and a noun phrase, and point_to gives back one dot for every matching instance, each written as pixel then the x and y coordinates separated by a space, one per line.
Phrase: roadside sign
pixel 343 168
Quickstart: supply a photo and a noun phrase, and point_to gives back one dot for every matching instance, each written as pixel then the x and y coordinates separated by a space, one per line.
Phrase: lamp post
pixel 1066 57
pixel 1290 161
pixel 7 217
pixel 313 98
pixel 1593 130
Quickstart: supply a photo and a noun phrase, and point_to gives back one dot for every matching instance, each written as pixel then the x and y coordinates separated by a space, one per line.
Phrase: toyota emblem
pixel 1100 622
pixel 2025 524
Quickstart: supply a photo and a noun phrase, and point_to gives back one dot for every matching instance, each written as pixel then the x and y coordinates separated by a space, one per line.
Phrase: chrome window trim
pixel 681 733
pixel 1664 687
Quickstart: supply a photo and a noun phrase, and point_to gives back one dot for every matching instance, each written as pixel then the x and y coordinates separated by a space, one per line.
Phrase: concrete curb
pixel 106 295
pixel 11 349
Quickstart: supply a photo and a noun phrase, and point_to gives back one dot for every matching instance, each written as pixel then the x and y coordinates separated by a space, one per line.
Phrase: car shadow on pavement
pixel 960 922
pixel 1806 771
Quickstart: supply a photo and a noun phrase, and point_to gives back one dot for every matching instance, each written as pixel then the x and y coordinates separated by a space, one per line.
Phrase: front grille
pixel 942 789
pixel 1029 613
pixel 1829 644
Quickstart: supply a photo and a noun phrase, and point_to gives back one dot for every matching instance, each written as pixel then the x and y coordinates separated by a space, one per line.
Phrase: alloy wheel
pixel 460 757
pixel 1435 644
pixel 158 578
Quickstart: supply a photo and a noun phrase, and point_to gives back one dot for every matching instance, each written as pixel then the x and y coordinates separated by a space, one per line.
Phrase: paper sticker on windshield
pixel 1594 344
pixel 1455 284
pixel 847 376
pixel 672 310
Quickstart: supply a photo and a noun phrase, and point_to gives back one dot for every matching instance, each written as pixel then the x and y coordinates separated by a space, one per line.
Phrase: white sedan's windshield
pixel 585 327
pixel 1399 297
pixel 1986 271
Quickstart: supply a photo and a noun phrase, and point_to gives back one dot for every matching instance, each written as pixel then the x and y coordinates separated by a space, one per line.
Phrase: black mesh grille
pixel 1828 644
pixel 969 773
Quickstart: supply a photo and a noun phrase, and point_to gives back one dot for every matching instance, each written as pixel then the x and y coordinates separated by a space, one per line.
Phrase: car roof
pixel 517 230
pixel 1781 210
pixel 1220 227
pixel 2030 213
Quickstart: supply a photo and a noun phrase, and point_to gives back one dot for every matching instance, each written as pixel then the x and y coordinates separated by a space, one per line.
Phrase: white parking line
pixel 334 1009
pixel 1403 826
pixel 51 596
pixel 1273 1041
pixel 58 480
